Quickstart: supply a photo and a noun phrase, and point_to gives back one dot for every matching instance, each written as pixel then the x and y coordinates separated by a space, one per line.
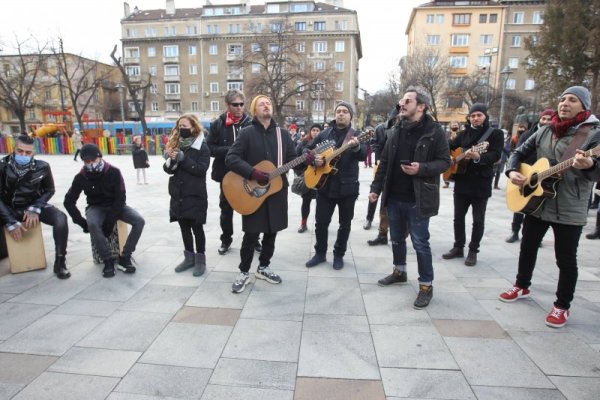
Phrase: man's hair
pixel 24 139
pixel 422 97
pixel 232 94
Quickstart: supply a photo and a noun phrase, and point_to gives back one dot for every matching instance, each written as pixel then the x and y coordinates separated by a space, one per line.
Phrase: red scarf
pixel 231 120
pixel 560 127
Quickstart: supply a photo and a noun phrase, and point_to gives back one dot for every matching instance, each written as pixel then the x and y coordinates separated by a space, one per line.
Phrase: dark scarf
pixel 20 170
pixel 561 127
pixel 230 119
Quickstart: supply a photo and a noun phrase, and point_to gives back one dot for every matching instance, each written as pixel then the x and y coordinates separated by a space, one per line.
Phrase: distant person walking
pixel 77 142
pixel 140 159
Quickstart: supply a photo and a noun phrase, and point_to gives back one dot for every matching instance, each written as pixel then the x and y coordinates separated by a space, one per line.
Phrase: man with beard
pixel 414 156
pixel 340 189
pixel 572 129
pixel 473 188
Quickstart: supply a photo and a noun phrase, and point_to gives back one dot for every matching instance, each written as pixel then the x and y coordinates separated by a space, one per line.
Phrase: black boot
pixel 454 252
pixel 514 237
pixel 380 239
pixel 199 264
pixel 596 233
pixel 60 268
pixel 471 259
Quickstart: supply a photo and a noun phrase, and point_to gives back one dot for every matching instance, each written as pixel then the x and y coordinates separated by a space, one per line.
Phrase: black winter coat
pixel 140 157
pixel 35 188
pixel 253 145
pixel 219 139
pixel 187 185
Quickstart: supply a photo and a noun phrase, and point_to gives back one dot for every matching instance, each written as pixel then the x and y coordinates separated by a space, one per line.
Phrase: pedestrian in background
pixel 310 194
pixel 77 142
pixel 140 159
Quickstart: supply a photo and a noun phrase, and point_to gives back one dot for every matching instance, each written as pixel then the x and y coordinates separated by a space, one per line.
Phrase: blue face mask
pixel 22 160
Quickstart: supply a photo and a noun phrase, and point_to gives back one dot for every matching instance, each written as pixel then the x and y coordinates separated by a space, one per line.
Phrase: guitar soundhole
pixel 530 187
pixel 258 191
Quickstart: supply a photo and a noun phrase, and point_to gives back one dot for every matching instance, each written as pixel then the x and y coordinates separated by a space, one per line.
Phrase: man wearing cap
pixel 26 186
pixel 262 140
pixel 222 133
pixel 572 129
pixel 473 188
pixel 104 188
pixel 544 120
pixel 340 189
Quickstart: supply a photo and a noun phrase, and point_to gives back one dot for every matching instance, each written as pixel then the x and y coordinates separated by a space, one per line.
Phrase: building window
pixel 275 27
pixel 461 19
pixel 195 106
pixel 318 105
pixel 340 46
pixel 320 47
pixel 461 40
pixel 171 70
pixel 172 88
pixel 486 40
pixel 493 18
pixel 454 102
pixel 516 41
pixel 433 40
pixel 133 70
pixel 152 70
pixel 272 8
pixel 214 87
pixel 235 86
pixel 484 61
pixel 132 52
pixel 458 61
pixel 513 62
pixel 339 66
pixel 150 32
pixel 174 107
pixel 273 48
pixel 155 106
pixel 255 68
pixel 300 67
pixel 255 47
pixel 299 105
pixel 510 84
pixel 439 19
pixel 431 60
pixel 339 86
pixel 213 69
pixel 234 28
pixel 191 30
pixel 537 18
pixel 212 29
pixel 170 51
pixel 213 50
pixel 154 88
pixel 193 69
pixel 482 18
pixel 429 18
pixel 131 33
pixel 192 50
pixel 214 106
pixel 300 47
pixel 31 114
pixel 533 39
pixel 47 95
pixel 234 49
pixel 300 26
pixel 319 26
pixel 193 88
pixel 518 17
pixel 529 84
pixel 170 31
pixel 151 51
pixel 319 65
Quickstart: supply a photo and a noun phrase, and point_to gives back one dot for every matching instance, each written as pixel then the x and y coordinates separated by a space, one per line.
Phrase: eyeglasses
pixel 237 104
pixel 404 102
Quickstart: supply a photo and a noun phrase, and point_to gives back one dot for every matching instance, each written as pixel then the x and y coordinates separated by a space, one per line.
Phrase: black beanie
pixel 478 107
pixel 90 152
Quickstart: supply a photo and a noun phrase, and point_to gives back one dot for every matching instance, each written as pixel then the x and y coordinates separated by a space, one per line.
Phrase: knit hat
pixel 478 107
pixel 90 152
pixel 347 105
pixel 547 112
pixel 254 101
pixel 582 94
pixel 316 126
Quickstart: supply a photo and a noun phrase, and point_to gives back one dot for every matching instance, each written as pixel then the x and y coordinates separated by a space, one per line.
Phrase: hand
pixel 411 169
pixel 259 176
pixel 172 153
pixel 319 162
pixel 83 224
pixel 516 178
pixel 472 155
pixel 107 227
pixel 310 158
pixel 582 162
pixel 179 156
pixel 373 197
pixel 353 142
pixel 17 233
pixel 31 219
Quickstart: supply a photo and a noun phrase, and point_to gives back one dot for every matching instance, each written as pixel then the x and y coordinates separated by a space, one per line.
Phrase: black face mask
pixel 185 132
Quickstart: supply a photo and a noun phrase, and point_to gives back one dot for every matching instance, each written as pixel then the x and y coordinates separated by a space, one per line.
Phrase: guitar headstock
pixel 321 147
pixel 365 136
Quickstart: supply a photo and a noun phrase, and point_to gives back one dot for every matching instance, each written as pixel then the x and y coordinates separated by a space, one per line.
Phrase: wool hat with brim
pixel 89 152
pixel 584 95
pixel 254 101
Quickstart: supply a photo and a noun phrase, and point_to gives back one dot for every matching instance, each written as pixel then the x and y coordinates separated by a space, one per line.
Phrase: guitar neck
pixel 561 166
pixel 345 147
pixel 286 167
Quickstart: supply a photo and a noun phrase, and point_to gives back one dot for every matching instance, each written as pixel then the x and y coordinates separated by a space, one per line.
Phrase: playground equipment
pixel 55 123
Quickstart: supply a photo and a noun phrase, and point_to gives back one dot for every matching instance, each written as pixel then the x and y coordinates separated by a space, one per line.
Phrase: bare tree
pixel 19 78
pixel 469 89
pixel 137 91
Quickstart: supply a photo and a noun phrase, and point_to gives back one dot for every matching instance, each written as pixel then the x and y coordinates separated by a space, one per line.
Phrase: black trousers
pixel 305 208
pixel 192 232
pixel 566 241
pixel 325 208
pixel 517 222
pixel 461 206
pixel 226 219
pixel 247 251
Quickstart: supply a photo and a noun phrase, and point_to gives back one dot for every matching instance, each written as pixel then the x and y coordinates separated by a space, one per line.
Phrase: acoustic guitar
pixel 540 184
pixel 315 177
pixel 457 155
pixel 246 195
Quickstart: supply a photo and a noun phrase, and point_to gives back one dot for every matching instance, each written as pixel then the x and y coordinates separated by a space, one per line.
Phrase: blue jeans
pixel 398 213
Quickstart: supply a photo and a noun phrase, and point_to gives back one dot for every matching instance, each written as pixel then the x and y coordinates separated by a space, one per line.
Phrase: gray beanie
pixel 582 94
pixel 478 107
pixel 347 105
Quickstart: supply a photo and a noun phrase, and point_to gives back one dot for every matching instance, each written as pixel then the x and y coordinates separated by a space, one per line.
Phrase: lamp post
pixel 506 71
pixel 489 53
pixel 120 88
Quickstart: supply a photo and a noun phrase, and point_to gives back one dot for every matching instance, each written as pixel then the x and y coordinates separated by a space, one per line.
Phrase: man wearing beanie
pixel 104 188
pixel 262 140
pixel 544 120
pixel 572 129
pixel 340 189
pixel 473 188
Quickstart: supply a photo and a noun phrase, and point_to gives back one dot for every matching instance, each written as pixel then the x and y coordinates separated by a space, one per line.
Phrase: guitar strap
pixel 279 149
pixel 482 139
pixel 349 136
pixel 576 142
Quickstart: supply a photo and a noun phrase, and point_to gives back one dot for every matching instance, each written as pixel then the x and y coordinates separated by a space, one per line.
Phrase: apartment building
pixel 193 54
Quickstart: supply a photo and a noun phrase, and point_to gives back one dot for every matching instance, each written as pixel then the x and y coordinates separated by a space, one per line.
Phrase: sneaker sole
pixel 108 275
pixel 259 276
pixel 223 252
pixel 524 296
pixel 121 268
pixel 552 325
pixel 419 307
pixel 390 284
pixel 240 290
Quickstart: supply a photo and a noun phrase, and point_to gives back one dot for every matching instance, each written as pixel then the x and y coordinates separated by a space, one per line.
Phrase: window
pixel 131 33
pixel 214 106
pixel 340 46
pixel 518 17
pixel 300 47
pixel 300 26
pixel 484 61
pixel 255 68
pixel 234 49
pixel 170 31
pixel 191 30
pixel 458 61
pixel 510 84
pixel 212 29
pixel 340 25
pixel 461 19
pixel 213 69
pixel 300 7
pixel 429 18
pixel 513 62
pixel 133 70
pixel 155 106
pixel 172 88
pixel 193 88
pixel 272 8
pixel 213 50
pixel 482 18
pixel 192 50
pixel 433 40
pixel 255 47
pixel 318 105
pixel 461 40
pixel 493 18
pixel 47 94
pixel 537 18
pixel 454 102
pixel 439 19
pixel 235 86
pixel 529 84
pixel 319 26
pixel 299 105
pixel 132 52
pixel 516 41
pixel 273 48
pixel 154 88
pixel 300 67
pixel 152 70
pixel 320 47
pixel 339 66
pixel 319 65
pixel 151 51
pixel 339 86
pixel 171 70
pixel 431 60
pixel 534 40
pixel 170 51
pixel 275 27
pixel 214 87
pixel 234 28
pixel 486 39
pixel 174 107
pixel 193 69
pixel 194 106
pixel 150 32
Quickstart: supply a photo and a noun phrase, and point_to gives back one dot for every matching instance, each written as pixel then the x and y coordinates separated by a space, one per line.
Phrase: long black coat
pixel 253 145
pixel 187 186
pixel 140 157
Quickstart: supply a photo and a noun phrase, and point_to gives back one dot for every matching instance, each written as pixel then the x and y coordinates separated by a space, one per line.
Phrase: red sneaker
pixel 557 317
pixel 513 294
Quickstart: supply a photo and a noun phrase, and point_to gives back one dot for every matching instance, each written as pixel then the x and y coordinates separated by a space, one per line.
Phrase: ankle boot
pixel 471 259
pixel 187 263
pixel 454 252
pixel 60 268
pixel 596 233
pixel 199 264
pixel 514 237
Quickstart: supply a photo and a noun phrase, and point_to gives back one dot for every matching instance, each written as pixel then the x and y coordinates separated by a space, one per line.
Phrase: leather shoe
pixel 454 252
pixel 338 262
pixel 315 260
pixel 514 237
pixel 367 225
pixel 378 240
pixel 471 259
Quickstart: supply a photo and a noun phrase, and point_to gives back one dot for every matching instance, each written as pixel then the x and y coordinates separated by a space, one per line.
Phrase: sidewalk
pixel 321 334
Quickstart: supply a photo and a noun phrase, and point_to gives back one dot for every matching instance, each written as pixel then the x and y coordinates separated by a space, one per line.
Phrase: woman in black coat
pixel 140 159
pixel 310 194
pixel 187 159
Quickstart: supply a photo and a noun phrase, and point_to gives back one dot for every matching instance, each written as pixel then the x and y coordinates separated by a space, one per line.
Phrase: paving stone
pixel 188 345
pixel 456 306
pixel 470 329
pixel 100 362
pixel 208 316
pixel 158 299
pixel 170 278
pixel 217 392
pixel 274 305
pixel 127 330
pixel 8 390
pixel 577 387
pixel 393 306
pixel 17 316
pixel 338 389
pixel 52 292
pixel 163 380
pixel 508 393
pixel 219 295
pixel 347 355
pixel 335 323
pixel 254 373
pixel 19 283
pixel 92 308
pixel 132 396
pixel 264 340
pixel 333 296
pixel 120 288
pixel 524 314
pixel 52 386
pixel 21 369
pixel 423 383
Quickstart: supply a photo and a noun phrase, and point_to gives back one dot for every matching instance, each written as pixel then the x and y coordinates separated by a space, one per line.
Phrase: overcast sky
pixel 92 28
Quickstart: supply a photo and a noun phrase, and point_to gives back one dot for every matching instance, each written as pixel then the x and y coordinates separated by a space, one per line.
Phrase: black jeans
pixel 325 208
pixel 305 208
pixel 226 218
pixel 371 210
pixel 190 232
pixel 517 222
pixel 566 241
pixel 249 241
pixel 461 206
pixel 76 154
pixel 52 216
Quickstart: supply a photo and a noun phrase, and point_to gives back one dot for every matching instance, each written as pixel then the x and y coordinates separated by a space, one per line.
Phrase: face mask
pixel 454 129
pixel 22 160
pixel 94 167
pixel 185 132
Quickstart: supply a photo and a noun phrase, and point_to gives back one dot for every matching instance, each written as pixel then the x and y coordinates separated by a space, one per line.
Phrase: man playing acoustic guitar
pixel 571 129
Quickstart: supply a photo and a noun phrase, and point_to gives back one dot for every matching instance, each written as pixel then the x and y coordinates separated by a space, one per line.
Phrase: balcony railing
pixel 131 60
pixel 320 55
pixel 234 57
pixel 172 78
pixel 235 77
pixel 169 60
pixel 173 96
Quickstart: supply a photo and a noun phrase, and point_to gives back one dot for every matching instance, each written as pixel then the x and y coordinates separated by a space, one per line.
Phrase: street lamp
pixel 506 71
pixel 489 53
pixel 120 88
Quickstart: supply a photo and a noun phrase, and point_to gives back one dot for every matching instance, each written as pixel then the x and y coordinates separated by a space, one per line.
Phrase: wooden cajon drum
pixel 116 241
pixel 28 254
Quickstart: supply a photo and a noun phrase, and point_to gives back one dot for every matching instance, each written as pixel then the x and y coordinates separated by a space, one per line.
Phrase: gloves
pixel 179 156
pixel 310 158
pixel 83 224
pixel 107 226
pixel 260 176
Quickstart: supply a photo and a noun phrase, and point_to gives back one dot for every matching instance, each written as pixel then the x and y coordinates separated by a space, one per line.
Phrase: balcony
pixel 131 60
pixel 459 49
pixel 172 78
pixel 134 78
pixel 173 96
pixel 320 55
pixel 171 60
pixel 234 57
pixel 235 77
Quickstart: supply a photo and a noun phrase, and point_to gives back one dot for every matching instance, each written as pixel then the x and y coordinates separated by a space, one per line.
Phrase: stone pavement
pixel 322 334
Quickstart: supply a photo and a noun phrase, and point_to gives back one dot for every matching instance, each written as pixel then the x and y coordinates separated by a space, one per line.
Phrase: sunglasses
pixel 403 102
pixel 237 104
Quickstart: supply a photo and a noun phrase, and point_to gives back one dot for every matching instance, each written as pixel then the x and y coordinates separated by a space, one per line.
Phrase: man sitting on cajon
pixel 26 185
pixel 104 188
